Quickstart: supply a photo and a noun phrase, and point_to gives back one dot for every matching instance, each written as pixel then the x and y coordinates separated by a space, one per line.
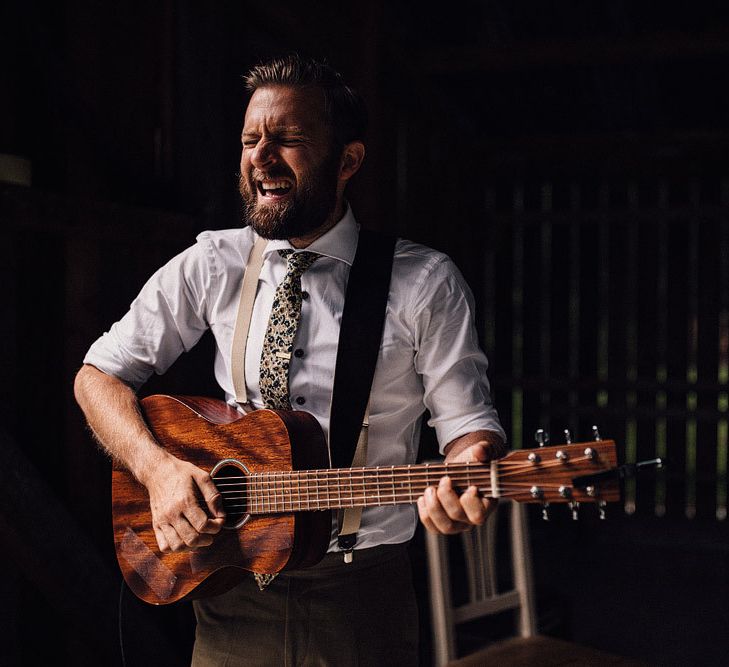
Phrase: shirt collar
pixel 339 243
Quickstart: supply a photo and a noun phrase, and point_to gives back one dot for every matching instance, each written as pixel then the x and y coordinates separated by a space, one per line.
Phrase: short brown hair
pixel 344 108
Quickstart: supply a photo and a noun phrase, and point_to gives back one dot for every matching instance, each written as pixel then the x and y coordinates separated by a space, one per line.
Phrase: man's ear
pixel 352 157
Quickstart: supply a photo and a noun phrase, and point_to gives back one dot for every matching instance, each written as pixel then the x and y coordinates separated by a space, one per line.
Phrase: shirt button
pixel 298 353
pixel 300 400
pixel 304 295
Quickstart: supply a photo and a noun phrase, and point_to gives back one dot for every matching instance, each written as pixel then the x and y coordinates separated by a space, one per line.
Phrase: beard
pixel 313 201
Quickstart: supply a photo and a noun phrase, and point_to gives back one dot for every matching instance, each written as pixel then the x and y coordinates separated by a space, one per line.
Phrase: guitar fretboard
pixel 305 490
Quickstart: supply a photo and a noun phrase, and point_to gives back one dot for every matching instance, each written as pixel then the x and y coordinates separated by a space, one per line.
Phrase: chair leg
pixel 522 567
pixel 444 648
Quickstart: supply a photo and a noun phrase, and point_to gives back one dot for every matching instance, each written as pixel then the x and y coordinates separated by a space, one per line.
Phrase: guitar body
pixel 206 432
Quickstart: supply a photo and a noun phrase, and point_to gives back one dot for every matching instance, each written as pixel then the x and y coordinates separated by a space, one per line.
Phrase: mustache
pixel 278 171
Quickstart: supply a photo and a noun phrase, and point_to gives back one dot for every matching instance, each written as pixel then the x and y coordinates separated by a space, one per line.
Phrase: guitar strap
pixel 360 334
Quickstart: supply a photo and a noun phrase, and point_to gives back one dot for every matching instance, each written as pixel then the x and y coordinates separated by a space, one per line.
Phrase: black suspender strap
pixel 360 335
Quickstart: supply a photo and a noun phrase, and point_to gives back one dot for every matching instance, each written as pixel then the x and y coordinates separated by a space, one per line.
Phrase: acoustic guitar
pixel 271 468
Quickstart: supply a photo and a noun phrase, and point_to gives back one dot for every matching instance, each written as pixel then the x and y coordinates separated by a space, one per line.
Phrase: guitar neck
pixel 305 490
pixel 544 475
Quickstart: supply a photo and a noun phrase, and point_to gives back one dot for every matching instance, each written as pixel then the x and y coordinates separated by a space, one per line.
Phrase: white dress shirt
pixel 429 355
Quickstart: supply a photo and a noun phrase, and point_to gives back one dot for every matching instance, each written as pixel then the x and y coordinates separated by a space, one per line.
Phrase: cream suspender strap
pixel 351 517
pixel 243 322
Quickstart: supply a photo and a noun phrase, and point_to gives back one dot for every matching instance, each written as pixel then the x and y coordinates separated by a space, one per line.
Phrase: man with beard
pixel 302 142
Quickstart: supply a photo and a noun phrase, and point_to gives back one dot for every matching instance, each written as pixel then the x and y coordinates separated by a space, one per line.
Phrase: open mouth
pixel 273 189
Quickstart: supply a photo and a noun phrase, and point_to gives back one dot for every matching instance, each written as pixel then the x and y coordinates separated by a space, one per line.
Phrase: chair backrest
pixel 483 598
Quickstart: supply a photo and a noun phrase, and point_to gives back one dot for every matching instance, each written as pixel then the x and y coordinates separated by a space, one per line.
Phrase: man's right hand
pixel 187 508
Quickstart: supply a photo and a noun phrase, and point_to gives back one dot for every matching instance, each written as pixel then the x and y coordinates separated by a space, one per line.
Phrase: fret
pixel 285 482
pixel 351 490
pixel 303 495
pixel 276 478
pixel 279 487
pixel 328 487
pixel 261 496
pixel 468 474
pixel 363 502
pixel 316 486
pixel 298 490
pixel 377 484
pixel 392 479
pixel 410 484
pixel 278 491
pixel 307 479
pixel 311 486
pixel 339 489
pixel 271 487
pixel 275 490
pixel 264 489
pixel 427 476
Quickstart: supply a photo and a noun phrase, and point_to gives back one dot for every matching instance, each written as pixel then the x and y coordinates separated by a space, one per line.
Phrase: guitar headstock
pixel 569 473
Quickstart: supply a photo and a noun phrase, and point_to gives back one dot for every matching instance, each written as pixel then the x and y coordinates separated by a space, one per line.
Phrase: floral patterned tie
pixel 279 339
pixel 278 344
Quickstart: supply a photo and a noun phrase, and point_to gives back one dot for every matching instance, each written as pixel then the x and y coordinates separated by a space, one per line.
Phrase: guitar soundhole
pixel 230 476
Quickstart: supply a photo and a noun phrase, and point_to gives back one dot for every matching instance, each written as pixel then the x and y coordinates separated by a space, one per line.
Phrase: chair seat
pixel 542 651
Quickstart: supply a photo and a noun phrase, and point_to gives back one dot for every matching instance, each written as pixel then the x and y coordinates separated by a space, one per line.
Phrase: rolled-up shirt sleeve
pixel 166 319
pixel 448 356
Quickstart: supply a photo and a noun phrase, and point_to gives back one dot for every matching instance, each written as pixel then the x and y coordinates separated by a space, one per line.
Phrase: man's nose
pixel 264 154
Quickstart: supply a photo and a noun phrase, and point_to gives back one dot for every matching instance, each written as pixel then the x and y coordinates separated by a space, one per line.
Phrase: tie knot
pixel 298 262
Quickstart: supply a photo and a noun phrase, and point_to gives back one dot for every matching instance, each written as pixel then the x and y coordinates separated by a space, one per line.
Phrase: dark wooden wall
pixel 570 157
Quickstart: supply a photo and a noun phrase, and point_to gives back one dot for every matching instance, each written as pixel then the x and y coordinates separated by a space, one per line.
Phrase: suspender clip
pixel 346 544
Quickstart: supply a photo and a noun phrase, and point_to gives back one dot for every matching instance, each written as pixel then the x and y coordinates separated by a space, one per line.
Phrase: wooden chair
pixel 527 647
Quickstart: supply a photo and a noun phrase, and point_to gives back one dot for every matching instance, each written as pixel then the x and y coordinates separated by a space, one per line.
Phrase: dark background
pixel 570 156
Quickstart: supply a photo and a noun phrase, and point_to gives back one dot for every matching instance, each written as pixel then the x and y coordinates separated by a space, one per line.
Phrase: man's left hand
pixel 441 509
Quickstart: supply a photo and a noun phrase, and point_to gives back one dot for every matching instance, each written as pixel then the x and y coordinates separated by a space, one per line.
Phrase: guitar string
pixel 315 500
pixel 421 469
pixel 385 475
pixel 402 472
pixel 279 506
pixel 268 491
pixel 269 485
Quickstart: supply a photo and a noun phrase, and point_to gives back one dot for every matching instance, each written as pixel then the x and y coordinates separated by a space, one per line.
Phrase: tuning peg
pixel 566 492
pixel 545 511
pixel 596 433
pixel 567 437
pixel 542 437
pixel 601 505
